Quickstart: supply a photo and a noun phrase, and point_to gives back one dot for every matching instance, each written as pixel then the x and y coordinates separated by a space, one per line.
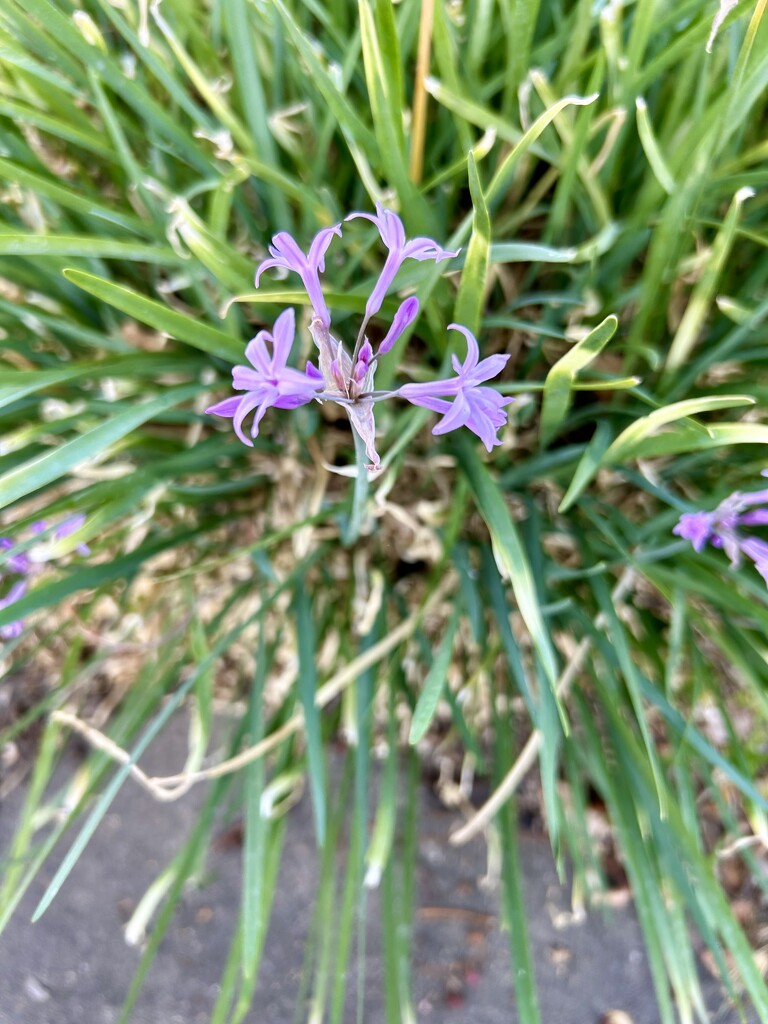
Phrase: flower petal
pixel 413 392
pixel 248 404
pixel 757 517
pixel 17 591
pixel 473 350
pixel 268 265
pixel 226 408
pixel 457 416
pixel 257 353
pixel 427 249
pixel 753 498
pixel 319 246
pixel 286 248
pixel 696 527
pixel 246 379
pixel 485 421
pixel 429 402
pixel 69 526
pixel 284 333
pixel 361 417
pixel 16 563
pixel 489 367
pixel 388 223
pixel 404 317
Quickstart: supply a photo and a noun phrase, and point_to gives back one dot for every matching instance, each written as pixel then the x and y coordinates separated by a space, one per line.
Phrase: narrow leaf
pixel 509 553
pixel 559 383
pixel 433 683
pixel 307 690
pixel 155 314
pixel 56 462
pixel 630 442
pixel 471 298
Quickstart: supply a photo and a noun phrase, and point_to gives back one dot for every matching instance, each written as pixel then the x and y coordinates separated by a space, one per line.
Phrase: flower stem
pixel 359 494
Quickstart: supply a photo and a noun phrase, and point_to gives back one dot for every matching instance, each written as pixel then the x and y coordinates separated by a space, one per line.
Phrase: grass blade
pixel 433 683
pixel 53 464
pixel 471 297
pixel 307 691
pixel 559 383
pixel 509 553
pixel 155 314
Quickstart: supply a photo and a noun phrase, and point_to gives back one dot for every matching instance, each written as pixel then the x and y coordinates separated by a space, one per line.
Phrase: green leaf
pixel 56 462
pixel 21 113
pixel 517 917
pixel 509 553
pixel 588 465
pixel 636 441
pixel 256 827
pixel 525 141
pixel 698 306
pixel 121 775
pixel 85 246
pixel 155 314
pixel 559 383
pixel 719 435
pixel 88 204
pixel 18 384
pixel 534 252
pixel 434 682
pixel 247 77
pixel 651 146
pixel 471 298
pixel 307 691
pixel 384 94
pixel 321 82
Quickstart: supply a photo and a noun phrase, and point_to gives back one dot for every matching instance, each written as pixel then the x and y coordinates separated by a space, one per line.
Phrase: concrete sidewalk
pixel 73 967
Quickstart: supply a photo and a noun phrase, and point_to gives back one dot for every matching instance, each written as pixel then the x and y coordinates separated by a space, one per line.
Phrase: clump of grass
pixel 602 171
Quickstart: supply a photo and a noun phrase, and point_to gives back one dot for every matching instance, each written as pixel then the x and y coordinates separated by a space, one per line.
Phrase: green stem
pixel 360 493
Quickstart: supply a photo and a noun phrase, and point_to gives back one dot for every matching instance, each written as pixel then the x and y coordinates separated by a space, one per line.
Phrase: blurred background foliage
pixel 602 166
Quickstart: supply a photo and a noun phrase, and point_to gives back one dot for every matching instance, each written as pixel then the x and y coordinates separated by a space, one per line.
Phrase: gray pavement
pixel 74 967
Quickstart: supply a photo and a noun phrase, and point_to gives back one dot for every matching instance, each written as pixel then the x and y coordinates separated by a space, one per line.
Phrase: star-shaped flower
pixel 269 381
pixel 724 528
pixel 477 408
pixel 392 234
pixel 285 252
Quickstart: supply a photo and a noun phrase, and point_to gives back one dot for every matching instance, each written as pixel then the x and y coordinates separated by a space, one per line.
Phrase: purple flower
pixel 404 317
pixel 350 383
pixel 757 551
pixel 64 529
pixel 345 372
pixel 478 408
pixel 285 253
pixel 12 629
pixel 393 236
pixel 697 527
pixel 16 563
pixel 25 567
pixel 271 382
pixel 723 528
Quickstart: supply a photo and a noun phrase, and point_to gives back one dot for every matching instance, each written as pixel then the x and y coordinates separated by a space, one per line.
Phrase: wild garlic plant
pixel 348 378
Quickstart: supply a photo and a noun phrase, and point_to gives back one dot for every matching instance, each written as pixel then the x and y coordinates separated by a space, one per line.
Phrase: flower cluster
pixel 348 379
pixel 23 565
pixel 724 528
